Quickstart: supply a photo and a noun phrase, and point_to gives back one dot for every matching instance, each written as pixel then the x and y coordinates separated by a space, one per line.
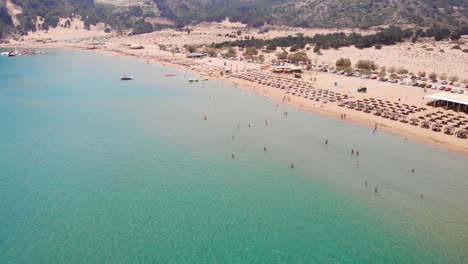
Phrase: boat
pixel 205 79
pixel 4 54
pixel 193 80
pixel 170 75
pixel 12 54
pixel 125 78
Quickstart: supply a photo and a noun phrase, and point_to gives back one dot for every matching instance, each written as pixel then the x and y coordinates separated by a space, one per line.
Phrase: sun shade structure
pixel 450 97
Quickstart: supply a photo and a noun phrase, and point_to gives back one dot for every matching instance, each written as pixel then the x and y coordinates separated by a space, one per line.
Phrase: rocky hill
pixel 319 13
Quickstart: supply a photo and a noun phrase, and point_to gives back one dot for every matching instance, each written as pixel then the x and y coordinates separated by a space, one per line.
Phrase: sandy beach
pixel 413 57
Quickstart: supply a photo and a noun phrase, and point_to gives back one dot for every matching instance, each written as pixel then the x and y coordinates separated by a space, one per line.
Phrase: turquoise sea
pixel 96 170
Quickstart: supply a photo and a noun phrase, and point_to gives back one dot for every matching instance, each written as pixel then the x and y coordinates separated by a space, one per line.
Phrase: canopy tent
pixel 451 100
pixel 450 97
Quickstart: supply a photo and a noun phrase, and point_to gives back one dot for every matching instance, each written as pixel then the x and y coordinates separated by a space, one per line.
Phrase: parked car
pixel 422 85
pixel 442 88
pixel 402 83
pixel 424 79
pixel 434 87
pixel 393 81
pixel 429 86
pixel 415 84
pixel 444 82
pixel 448 89
pixel 362 89
pixel 375 77
pixel 461 91
pixel 454 90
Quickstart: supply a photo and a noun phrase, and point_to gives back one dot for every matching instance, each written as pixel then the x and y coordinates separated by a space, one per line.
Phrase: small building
pixel 287 69
pixel 196 55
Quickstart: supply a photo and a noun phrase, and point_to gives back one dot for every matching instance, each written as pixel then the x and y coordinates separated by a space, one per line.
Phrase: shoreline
pixel 266 91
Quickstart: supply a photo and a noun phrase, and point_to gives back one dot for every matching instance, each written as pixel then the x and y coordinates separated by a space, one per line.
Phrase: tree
pixel 271 47
pixel 282 56
pixel 433 76
pixel 443 76
pixel 392 69
pixel 298 57
pixel 382 73
pixel 250 52
pixel 342 63
pixel 348 69
pixel 261 58
pixel 211 52
pixel 393 76
pixel 366 64
pixel 402 71
pixel 231 52
pixel 456 34
pixel 293 48
pixel 317 49
pixel 422 74
pixel 454 78
pixel 191 48
pixel 68 23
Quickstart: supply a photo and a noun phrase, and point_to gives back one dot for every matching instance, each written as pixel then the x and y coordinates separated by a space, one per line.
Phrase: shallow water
pixel 93 169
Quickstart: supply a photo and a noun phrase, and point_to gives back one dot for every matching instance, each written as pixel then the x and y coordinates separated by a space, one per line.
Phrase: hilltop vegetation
pixel 318 13
pixel 441 15
pixel 50 12
pixel 389 36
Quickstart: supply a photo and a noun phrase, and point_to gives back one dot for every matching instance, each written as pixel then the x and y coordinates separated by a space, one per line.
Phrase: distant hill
pixel 141 16
pixel 318 13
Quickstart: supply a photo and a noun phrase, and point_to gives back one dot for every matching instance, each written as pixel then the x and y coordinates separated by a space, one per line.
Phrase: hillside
pixel 318 13
pixel 142 16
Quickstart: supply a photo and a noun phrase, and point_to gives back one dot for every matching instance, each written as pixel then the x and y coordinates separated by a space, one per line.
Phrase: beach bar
pixel 452 100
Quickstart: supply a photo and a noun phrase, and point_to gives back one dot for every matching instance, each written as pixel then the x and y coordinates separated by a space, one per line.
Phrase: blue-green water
pixel 95 170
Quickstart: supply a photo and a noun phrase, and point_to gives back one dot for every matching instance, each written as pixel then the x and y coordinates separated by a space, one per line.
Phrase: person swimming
pixel 292 166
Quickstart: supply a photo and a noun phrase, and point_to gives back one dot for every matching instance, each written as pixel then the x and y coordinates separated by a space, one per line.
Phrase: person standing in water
pixel 326 142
